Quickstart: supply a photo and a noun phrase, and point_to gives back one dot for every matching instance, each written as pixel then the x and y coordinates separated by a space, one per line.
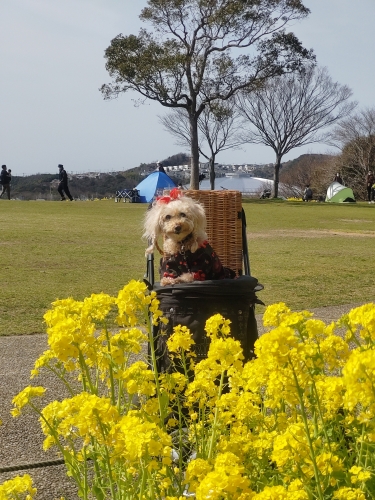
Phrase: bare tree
pixel 200 51
pixel 355 136
pixel 219 130
pixel 291 110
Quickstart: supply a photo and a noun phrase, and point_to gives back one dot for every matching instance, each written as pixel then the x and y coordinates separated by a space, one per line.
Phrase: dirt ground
pixel 310 233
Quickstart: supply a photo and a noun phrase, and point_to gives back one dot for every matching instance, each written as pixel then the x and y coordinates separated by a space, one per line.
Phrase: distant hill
pixel 98 185
pixel 265 171
pixel 90 185
pixel 310 160
pixel 315 170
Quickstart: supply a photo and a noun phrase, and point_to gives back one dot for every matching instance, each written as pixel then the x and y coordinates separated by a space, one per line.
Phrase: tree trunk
pixel 212 172
pixel 276 174
pixel 194 172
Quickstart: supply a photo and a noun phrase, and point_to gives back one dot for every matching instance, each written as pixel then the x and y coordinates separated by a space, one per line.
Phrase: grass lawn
pixel 312 254
pixel 55 250
pixel 305 254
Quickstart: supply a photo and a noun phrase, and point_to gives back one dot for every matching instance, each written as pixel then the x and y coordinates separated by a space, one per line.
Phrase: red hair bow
pixel 175 194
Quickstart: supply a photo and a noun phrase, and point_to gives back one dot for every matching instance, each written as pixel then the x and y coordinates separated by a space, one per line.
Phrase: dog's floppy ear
pixel 152 229
pixel 200 223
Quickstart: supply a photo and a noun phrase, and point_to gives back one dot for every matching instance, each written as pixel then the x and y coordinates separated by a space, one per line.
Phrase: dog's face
pixel 176 220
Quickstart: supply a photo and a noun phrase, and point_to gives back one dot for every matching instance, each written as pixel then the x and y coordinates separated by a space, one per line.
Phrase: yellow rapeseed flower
pixel 71 327
pixel 274 314
pixel 217 326
pixel 291 446
pixel 97 306
pixel 335 352
pixel 349 494
pixel 42 361
pixel 127 341
pixel 135 439
pixel 173 382
pixel 24 398
pixel 139 379
pixel 362 319
pixel 272 493
pixel 16 488
pixel 358 475
pixel 296 491
pixel 226 352
pixel 181 339
pixel 132 300
pixel 84 416
pixel 328 463
pixel 330 392
pixel 359 381
pixel 201 391
pixel 196 470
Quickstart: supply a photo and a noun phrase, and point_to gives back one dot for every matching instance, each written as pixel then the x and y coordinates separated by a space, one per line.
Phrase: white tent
pixel 337 193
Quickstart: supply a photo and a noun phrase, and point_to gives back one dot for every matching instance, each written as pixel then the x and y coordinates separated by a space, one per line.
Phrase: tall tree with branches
pixel 218 126
pixel 202 51
pixel 291 111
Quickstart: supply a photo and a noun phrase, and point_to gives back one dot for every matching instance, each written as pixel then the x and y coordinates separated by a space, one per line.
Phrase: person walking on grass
pixel 370 180
pixel 307 194
pixel 5 178
pixel 63 184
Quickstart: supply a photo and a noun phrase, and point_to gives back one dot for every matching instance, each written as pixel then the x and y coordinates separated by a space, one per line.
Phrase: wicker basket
pixel 224 224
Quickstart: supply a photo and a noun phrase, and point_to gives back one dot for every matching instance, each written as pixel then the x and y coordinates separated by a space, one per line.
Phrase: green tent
pixel 337 193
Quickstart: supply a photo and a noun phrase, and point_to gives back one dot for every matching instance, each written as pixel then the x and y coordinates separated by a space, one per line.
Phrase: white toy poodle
pixel 187 256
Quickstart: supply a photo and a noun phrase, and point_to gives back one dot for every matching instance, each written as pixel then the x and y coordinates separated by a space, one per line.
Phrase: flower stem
pixel 213 436
pixel 306 425
pixel 113 397
pixel 154 367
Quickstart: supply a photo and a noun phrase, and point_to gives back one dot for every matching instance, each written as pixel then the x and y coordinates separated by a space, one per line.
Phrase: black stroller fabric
pixel 191 304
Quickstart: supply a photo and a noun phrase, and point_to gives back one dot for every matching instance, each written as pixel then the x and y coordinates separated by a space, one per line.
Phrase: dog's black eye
pixel 167 217
pixel 182 214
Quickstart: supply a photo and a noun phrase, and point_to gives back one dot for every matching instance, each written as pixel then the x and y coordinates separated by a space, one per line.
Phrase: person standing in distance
pixel 5 178
pixel 159 167
pixel 338 178
pixel 307 194
pixel 370 180
pixel 63 184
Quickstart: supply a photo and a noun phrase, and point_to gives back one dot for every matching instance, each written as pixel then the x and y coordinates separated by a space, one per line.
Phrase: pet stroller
pixel 191 304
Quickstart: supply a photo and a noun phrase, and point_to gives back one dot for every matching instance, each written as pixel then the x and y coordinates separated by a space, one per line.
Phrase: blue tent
pixel 153 185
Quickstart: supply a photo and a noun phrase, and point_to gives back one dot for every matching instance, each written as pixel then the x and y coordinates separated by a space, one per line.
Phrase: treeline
pixel 265 172
pixel 177 159
pixel 316 170
pixel 31 186
pixel 44 186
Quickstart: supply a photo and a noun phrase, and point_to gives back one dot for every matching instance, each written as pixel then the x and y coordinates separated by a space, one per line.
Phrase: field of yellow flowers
pixel 295 423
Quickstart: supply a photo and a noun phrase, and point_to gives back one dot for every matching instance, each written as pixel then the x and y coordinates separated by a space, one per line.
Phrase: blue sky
pixel 52 65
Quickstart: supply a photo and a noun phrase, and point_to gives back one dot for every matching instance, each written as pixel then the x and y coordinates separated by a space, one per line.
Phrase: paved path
pixel 21 439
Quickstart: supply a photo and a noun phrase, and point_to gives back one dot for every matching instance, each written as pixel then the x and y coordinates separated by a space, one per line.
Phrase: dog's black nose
pixel 177 229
